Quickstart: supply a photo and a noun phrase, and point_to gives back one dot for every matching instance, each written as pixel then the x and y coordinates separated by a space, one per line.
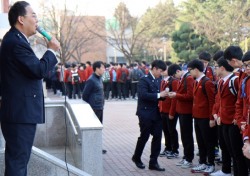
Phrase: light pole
pixel 164 40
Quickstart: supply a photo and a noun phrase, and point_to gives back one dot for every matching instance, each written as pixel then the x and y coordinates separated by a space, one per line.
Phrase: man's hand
pixel 53 44
pixel 212 123
pixel 234 122
pixel 246 150
pixel 170 117
pixel 215 116
pixel 172 94
pixel 218 121
pixel 163 94
pixel 243 126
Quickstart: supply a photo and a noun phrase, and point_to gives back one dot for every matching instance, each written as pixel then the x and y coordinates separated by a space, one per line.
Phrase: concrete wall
pixel 44 164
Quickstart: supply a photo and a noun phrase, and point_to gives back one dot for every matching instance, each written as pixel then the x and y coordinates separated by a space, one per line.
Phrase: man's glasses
pixel 246 66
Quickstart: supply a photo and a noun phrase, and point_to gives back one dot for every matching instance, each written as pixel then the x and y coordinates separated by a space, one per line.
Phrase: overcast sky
pixel 106 7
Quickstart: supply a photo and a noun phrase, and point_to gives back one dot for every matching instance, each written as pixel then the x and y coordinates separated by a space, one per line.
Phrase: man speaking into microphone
pixel 21 73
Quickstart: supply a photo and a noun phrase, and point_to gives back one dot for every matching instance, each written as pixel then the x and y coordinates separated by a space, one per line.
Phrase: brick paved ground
pixel 120 134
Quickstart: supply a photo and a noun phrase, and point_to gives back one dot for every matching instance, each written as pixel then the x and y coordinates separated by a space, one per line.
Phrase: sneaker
pixel 209 169
pixel 172 155
pixel 199 168
pixel 216 151
pixel 165 153
pixel 219 173
pixel 186 164
pixel 179 163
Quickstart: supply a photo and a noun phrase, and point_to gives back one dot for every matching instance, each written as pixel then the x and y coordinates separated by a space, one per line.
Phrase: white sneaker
pixel 219 173
pixel 179 163
pixel 186 165
pixel 209 169
pixel 199 168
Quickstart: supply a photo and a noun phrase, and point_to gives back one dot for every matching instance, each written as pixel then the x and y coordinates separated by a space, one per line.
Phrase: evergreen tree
pixel 187 44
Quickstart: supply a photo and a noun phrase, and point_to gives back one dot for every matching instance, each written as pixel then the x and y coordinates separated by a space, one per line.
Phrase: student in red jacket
pixel 243 104
pixel 233 54
pixel 231 141
pixel 169 83
pixel 184 103
pixel 205 57
pixel 88 70
pixel 203 101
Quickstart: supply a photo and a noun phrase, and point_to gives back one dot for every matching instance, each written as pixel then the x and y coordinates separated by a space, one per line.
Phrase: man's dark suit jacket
pixel 21 79
pixel 147 107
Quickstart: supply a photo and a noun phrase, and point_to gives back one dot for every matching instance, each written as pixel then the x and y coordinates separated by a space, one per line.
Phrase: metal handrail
pixel 71 121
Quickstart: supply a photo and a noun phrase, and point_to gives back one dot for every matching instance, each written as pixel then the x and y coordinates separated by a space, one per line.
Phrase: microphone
pixel 43 33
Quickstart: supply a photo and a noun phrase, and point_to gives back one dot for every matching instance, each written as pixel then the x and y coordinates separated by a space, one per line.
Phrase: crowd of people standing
pixel 119 79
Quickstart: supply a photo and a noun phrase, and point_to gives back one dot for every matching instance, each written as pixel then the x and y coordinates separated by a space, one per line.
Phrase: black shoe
pixel 104 151
pixel 156 167
pixel 138 163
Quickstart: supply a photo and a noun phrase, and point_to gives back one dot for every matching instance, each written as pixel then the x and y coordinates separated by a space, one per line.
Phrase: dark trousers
pixel 69 89
pixel 53 86
pixel 76 90
pixel 186 127
pixel 106 87
pixel 205 140
pixel 99 114
pixel 127 88
pixel 225 155
pixel 168 141
pixel 19 140
pixel 114 90
pixel 63 88
pixel 234 144
pixel 170 132
pixel 82 84
pixel 147 127
pixel 133 89
pixel 121 90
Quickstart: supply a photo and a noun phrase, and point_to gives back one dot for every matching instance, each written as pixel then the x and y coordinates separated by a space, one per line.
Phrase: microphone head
pixel 43 32
pixel 39 29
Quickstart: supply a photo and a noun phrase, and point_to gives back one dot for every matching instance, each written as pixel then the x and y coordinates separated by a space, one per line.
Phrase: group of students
pixel 217 99
pixel 118 79
pixel 69 79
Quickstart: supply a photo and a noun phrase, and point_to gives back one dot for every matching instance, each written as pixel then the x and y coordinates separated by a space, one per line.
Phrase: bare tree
pixel 68 27
pixel 123 33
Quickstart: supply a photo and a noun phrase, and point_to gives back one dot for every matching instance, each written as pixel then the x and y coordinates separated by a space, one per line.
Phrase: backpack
pixel 243 86
pixel 136 74
pixel 106 76
pixel 123 76
pixel 203 86
pixel 185 80
pixel 214 78
pixel 75 77
pixel 231 85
